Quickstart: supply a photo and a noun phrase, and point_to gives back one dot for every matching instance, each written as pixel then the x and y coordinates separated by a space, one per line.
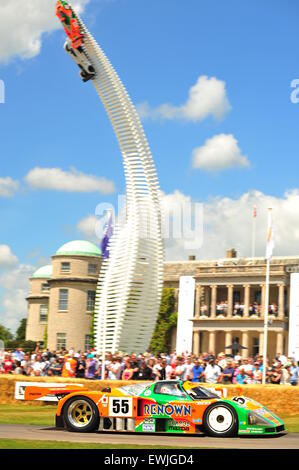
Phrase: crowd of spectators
pixel 238 309
pixel 206 367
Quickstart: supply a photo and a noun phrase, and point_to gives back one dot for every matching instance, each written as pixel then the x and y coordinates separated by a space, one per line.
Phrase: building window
pixel 258 296
pixel 63 299
pixel 45 287
pixel 87 343
pixel 92 268
pixel 235 344
pixel 255 346
pixel 65 267
pixel 236 296
pixel 91 295
pixel 43 313
pixel 285 302
pixel 61 341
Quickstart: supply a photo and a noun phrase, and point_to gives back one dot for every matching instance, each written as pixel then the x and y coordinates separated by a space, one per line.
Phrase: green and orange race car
pixel 70 23
pixel 74 44
pixel 170 406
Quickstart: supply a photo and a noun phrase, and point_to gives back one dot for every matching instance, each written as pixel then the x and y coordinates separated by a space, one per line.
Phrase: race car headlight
pixel 254 418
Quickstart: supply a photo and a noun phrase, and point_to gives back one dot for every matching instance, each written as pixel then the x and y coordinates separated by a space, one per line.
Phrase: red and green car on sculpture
pixel 170 406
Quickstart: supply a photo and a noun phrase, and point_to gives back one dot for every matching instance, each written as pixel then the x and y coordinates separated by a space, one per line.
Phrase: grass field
pixel 27 444
pixel 44 415
pixel 20 413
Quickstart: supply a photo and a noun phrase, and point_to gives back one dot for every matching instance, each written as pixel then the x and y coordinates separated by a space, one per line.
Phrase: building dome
pixel 43 272
pixel 79 248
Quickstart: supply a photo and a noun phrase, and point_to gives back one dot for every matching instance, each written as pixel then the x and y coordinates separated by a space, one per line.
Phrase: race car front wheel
pixel 81 415
pixel 220 420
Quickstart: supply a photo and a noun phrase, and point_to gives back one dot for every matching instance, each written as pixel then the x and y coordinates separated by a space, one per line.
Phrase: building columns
pixel 261 343
pixel 246 300
pixel 288 301
pixel 263 298
pixel 212 342
pixel 245 342
pixel 213 301
pixel 281 301
pixel 196 339
pixel 230 290
pixel 228 340
pixel 279 342
pixel 207 297
pixel 197 301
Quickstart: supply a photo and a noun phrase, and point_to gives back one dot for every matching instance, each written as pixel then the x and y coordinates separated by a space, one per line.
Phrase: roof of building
pixel 237 261
pixel 43 272
pixel 79 248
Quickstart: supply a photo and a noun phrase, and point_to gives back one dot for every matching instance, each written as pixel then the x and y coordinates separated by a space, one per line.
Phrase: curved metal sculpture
pixel 130 282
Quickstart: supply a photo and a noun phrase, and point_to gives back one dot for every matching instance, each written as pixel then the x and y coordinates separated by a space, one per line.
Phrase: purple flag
pixel 107 235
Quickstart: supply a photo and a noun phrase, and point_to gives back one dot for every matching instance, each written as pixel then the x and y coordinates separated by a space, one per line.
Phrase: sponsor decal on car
pixel 197 421
pixel 251 430
pixel 178 425
pixel 103 400
pixel 148 425
pixel 177 409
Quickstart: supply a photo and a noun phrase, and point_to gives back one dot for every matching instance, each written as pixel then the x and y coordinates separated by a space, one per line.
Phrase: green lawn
pixel 27 444
pixel 44 415
pixel 291 423
pixel 20 413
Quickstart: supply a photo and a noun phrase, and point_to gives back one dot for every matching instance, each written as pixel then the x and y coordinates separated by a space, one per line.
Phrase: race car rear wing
pixel 34 393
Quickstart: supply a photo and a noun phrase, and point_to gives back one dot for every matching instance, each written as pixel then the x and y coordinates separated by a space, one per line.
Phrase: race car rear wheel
pixel 81 415
pixel 220 420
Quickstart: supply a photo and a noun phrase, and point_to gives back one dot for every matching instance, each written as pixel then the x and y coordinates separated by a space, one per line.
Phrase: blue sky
pixel 50 119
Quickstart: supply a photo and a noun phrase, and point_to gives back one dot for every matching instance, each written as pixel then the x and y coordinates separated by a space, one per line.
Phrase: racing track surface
pixel 22 431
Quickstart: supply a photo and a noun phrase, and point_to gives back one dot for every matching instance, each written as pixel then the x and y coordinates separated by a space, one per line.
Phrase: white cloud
pixel 93 227
pixel 7 258
pixel 8 187
pixel 14 288
pixel 71 181
pixel 219 153
pixel 22 24
pixel 206 98
pixel 228 224
pixel 224 223
pixel 13 306
pixel 87 227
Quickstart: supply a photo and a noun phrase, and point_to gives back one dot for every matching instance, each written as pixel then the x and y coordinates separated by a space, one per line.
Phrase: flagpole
pixel 266 307
pixel 266 321
pixel 253 232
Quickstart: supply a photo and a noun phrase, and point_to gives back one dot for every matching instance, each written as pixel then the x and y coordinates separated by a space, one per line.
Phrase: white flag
pixel 270 237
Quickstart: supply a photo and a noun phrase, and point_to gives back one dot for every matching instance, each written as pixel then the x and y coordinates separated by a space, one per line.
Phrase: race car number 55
pixel 120 406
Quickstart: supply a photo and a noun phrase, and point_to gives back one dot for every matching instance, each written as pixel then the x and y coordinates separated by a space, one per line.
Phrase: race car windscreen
pixel 199 393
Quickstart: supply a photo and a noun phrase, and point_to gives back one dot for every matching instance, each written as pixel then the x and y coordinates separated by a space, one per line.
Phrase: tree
pixel 46 336
pixel 27 346
pixel 92 331
pixel 5 333
pixel 167 319
pixel 21 331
